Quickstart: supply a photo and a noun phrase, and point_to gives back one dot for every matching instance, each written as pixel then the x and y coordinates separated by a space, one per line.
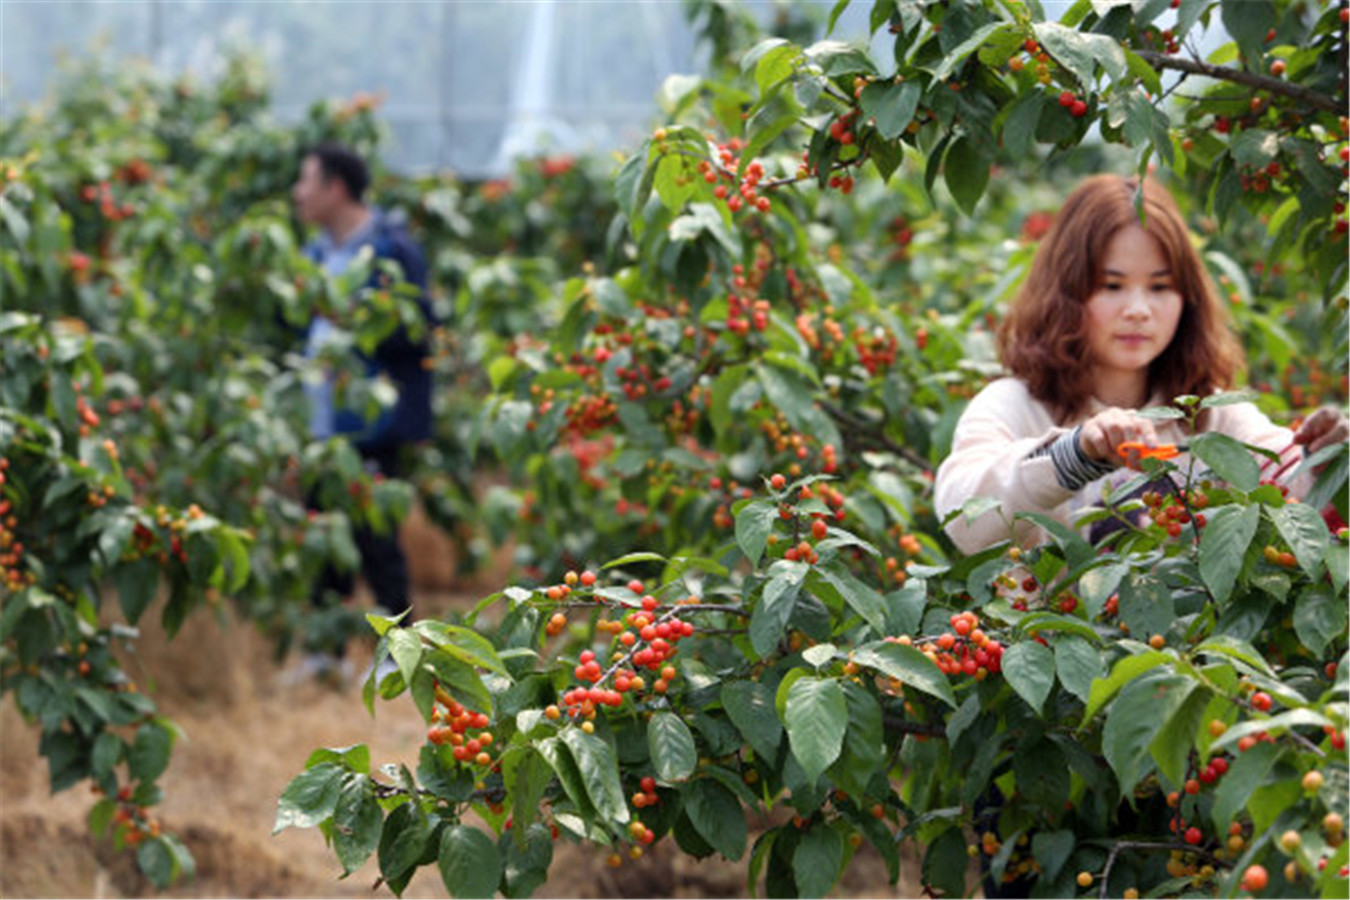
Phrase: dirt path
pixel 248 734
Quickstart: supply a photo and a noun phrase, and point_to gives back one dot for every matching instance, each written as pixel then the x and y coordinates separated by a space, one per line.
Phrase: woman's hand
pixel 1110 428
pixel 1324 428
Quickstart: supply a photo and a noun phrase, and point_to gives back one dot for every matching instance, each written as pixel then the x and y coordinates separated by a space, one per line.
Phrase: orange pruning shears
pixel 1144 451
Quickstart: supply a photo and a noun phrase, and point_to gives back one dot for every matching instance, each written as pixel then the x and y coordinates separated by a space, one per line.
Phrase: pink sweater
pixel 1004 424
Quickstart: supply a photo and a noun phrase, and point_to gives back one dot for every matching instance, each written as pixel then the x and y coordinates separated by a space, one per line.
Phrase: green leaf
pixel 816 720
pixel 771 615
pixel 1077 663
pixel 559 757
pixel 1146 74
pixel 1030 669
pixel 469 862
pixel 841 58
pixel 156 861
pixel 525 868
pixel 1019 128
pixel 672 747
pixel 1042 773
pixel 149 754
pixel 776 65
pixel 761 50
pixel 778 113
pixel 464 644
pixel 966 168
pixel 835 12
pixel 1172 746
pixel 600 772
pixel 1077 552
pixel 1228 458
pixel 1129 668
pixel 1097 585
pixel 1052 850
pixel 945 863
pixel 137 584
pixel 1146 605
pixel 1319 616
pixel 1223 544
pixel 892 105
pixel 817 861
pixel 630 558
pixel 1143 707
pixel 717 816
pixel 754 522
pixel 107 753
pixel 792 394
pixel 403 842
pixel 1303 530
pixel 864 745
pixel 1274 801
pixel 355 758
pixel 100 816
pixel 1254 147
pixel 633 185
pixel 908 665
pixel 958 54
pixel 310 798
pixel 405 646
pixel 862 598
pixel 963 718
pixel 357 821
pixel 750 705
pixel 1248 21
pixel 1233 648
pixel 674 182
pixel 1070 48
pixel 1245 774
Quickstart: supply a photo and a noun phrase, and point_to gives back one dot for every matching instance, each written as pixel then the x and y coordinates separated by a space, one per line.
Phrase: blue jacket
pixel 397 356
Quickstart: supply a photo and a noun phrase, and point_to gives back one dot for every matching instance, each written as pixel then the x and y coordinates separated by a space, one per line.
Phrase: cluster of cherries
pixel 1169 514
pixel 876 352
pixel 658 639
pixel 744 194
pixel 108 206
pixel 742 316
pixel 134 820
pixel 1076 106
pixel 451 724
pixel 12 575
pixel 965 650
pixel 811 335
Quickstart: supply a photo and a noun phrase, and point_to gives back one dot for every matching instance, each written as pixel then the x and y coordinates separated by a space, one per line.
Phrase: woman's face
pixel 1132 316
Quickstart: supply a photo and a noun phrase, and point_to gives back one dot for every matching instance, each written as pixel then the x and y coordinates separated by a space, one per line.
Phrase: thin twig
pixel 905 453
pixel 1315 99
pixel 907 726
pixel 1149 845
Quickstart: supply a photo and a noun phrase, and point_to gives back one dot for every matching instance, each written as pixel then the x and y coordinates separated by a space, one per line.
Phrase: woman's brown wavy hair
pixel 1043 338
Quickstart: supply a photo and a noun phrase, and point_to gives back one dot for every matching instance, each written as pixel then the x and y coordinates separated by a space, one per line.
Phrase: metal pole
pixel 444 61
pixel 156 34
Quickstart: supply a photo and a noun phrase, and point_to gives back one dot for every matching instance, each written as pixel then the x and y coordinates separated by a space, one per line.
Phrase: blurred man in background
pixel 330 193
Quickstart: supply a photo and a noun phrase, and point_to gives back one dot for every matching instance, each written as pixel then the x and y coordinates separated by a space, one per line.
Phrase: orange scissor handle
pixel 1162 451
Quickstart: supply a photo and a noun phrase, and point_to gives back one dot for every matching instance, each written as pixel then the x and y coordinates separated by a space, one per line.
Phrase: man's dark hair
pixel 340 161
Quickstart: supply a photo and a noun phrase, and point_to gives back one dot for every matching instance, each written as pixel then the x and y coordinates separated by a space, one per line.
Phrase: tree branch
pixel 844 418
pixel 1304 95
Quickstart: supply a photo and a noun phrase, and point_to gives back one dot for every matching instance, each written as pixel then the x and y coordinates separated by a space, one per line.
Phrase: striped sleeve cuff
pixel 1073 467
